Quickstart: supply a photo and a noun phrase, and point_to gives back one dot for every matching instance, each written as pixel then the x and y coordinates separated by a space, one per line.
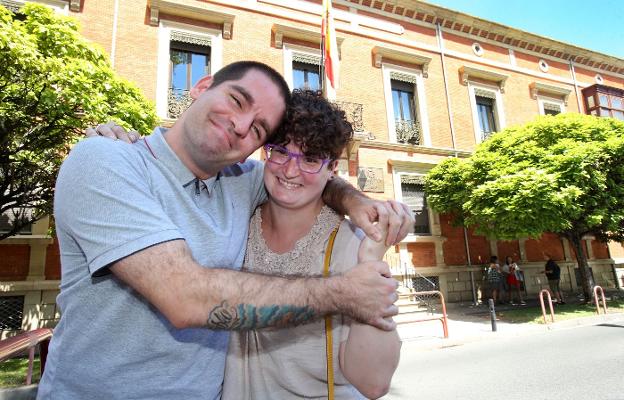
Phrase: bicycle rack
pixel 27 341
pixel 443 318
pixel 604 301
pixel 552 311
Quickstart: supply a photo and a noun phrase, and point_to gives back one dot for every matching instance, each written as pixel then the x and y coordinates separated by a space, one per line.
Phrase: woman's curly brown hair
pixel 318 127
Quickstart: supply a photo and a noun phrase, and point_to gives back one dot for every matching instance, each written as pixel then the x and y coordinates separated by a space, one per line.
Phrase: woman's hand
pixel 113 131
pixel 371 250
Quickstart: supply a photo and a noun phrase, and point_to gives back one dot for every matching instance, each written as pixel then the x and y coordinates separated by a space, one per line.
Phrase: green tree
pixel 561 174
pixel 53 84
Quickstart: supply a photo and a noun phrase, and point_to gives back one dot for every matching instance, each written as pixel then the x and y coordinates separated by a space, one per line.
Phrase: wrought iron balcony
pixel 407 131
pixel 486 135
pixel 354 113
pixel 178 100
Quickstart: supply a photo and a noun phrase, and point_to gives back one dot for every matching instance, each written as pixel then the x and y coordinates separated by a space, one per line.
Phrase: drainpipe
pixel 450 114
pixel 576 89
pixel 446 91
pixel 114 34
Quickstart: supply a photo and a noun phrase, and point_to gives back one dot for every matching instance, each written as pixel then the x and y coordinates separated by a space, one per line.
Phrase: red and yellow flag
pixel 330 52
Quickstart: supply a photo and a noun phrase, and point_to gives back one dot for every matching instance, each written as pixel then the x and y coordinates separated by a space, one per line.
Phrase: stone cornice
pixel 191 9
pixel 440 151
pixel 537 88
pixel 383 54
pixel 421 13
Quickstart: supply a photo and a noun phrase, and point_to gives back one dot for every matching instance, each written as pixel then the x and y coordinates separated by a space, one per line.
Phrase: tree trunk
pixel 586 278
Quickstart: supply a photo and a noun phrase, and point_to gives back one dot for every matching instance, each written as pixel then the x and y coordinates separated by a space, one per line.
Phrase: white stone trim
pixel 499 113
pixel 477 49
pixel 60 6
pixel 203 35
pixel 421 103
pixel 543 101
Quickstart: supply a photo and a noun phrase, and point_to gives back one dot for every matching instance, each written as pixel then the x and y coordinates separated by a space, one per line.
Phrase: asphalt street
pixel 577 363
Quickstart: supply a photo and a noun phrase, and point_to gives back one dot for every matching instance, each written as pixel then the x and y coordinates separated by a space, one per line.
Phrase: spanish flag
pixel 329 52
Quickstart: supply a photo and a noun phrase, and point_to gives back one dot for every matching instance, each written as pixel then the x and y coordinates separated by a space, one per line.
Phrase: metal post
pixel 492 314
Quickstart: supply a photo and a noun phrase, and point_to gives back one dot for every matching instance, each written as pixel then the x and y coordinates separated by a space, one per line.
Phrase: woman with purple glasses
pixel 288 236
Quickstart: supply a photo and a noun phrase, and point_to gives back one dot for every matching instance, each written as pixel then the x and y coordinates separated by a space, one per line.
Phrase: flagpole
pixel 322 65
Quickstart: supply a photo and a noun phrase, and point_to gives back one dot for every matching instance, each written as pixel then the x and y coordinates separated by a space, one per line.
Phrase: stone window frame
pixel 544 101
pixel 168 31
pixel 392 72
pixel 60 6
pixel 499 111
pixel 293 52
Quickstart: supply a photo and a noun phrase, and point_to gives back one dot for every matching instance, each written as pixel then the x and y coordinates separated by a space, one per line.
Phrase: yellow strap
pixel 329 344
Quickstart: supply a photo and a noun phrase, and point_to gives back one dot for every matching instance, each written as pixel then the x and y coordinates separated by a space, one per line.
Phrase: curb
pixel 470 332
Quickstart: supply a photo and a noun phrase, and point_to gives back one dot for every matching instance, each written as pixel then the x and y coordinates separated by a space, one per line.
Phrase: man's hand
pixel 364 212
pixel 368 293
pixel 113 131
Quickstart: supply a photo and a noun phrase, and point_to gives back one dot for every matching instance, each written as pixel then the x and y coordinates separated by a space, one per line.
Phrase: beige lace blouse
pixel 290 363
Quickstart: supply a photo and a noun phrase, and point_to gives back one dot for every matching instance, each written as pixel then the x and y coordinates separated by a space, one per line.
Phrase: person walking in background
pixel 514 280
pixel 553 273
pixel 494 278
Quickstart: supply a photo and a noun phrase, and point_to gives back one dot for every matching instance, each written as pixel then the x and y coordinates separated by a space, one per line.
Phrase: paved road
pixel 578 363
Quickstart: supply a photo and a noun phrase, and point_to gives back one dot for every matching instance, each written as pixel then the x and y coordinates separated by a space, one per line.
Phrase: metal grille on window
pixel 11 312
pixel 425 283
pixel 552 108
pixel 189 56
pixel 413 192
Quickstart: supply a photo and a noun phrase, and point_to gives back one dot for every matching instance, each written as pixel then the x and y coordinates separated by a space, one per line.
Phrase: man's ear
pixel 200 87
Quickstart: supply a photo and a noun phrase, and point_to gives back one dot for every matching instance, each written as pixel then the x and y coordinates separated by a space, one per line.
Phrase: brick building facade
pixel 420 82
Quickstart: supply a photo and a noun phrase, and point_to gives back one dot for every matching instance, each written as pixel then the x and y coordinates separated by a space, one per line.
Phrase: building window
pixel 306 76
pixel 185 55
pixel 413 195
pixel 188 64
pixel 604 101
pixel 549 106
pixel 405 105
pixel 477 49
pixel 9 217
pixel 11 313
pixel 60 6
pixel 487 111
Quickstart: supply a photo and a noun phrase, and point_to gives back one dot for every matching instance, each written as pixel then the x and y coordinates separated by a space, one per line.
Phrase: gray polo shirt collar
pixel 157 145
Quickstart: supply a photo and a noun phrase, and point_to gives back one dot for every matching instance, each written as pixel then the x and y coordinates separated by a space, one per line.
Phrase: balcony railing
pixel 354 113
pixel 407 131
pixel 178 100
pixel 486 135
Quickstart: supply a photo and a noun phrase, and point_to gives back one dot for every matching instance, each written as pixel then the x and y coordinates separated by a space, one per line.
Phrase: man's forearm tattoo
pixel 247 316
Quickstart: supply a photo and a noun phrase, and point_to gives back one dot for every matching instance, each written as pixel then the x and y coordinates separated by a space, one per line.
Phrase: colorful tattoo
pixel 247 316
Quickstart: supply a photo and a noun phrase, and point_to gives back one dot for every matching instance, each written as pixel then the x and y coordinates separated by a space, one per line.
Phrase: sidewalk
pixel 468 323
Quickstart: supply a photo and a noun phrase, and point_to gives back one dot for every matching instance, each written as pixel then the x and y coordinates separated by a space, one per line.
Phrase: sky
pixel 594 25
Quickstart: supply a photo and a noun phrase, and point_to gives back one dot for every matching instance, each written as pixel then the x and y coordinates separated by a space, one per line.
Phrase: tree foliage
pixel 562 174
pixel 53 84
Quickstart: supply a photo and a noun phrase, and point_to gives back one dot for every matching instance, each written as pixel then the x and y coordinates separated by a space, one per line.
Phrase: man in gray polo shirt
pixel 152 239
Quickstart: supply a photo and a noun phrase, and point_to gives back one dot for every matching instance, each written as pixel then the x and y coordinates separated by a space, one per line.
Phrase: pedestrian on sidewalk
pixel 494 278
pixel 514 280
pixel 553 273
